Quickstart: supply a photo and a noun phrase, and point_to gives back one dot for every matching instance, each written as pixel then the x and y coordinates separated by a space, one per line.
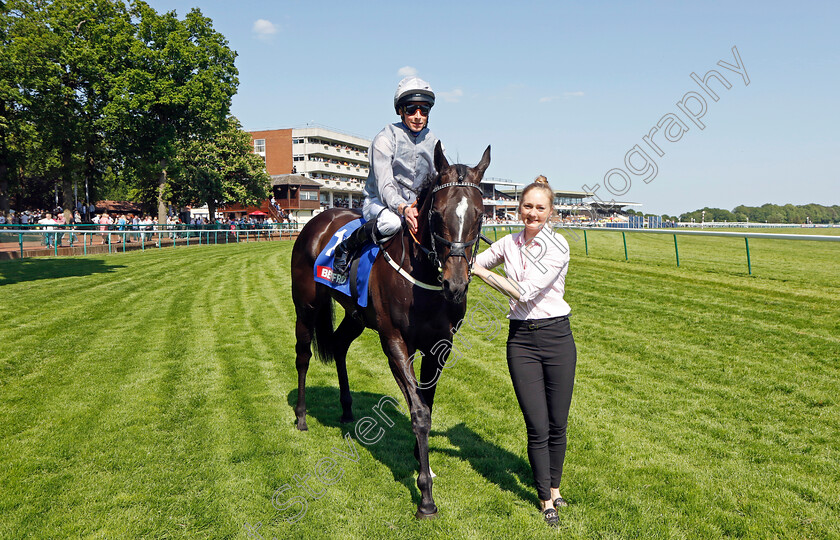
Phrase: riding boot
pixel 346 250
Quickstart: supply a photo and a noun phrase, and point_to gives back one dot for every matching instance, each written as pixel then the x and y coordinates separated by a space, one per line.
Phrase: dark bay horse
pixel 412 309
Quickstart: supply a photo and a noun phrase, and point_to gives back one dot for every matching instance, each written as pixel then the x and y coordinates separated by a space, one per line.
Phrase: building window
pixel 259 146
pixel 298 140
pixel 306 195
pixel 298 157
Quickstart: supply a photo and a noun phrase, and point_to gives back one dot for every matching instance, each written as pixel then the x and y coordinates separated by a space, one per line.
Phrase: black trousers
pixel 541 357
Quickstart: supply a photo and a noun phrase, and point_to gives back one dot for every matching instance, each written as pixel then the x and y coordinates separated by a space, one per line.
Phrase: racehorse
pixel 417 298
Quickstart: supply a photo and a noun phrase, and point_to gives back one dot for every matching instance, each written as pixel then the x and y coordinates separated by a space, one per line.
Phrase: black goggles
pixel 412 108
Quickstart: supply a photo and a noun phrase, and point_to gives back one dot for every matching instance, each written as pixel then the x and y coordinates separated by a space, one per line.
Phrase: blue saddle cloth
pixel 324 264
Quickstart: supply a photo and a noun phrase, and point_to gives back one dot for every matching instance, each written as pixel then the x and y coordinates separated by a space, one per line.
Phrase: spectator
pixel 105 222
pixel 47 221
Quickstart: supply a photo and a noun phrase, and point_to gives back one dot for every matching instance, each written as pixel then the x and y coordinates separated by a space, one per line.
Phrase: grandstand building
pixel 315 167
pixel 335 162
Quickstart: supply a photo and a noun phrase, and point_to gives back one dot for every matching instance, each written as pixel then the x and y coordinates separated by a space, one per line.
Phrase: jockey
pixel 401 158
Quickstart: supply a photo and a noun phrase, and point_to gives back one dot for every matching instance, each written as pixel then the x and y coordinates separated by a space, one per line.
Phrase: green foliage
pixel 218 169
pixel 106 88
pixel 771 213
pixel 179 83
pixel 15 134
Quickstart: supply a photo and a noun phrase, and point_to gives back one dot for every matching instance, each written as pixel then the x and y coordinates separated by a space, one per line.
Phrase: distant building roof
pixel 292 180
pixel 612 204
pixel 118 207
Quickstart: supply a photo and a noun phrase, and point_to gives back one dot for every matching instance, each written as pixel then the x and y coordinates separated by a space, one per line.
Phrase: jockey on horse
pixel 401 158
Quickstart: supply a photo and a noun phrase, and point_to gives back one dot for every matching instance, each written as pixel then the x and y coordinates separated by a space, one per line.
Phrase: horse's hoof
pixel 301 425
pixel 426 515
pixel 347 419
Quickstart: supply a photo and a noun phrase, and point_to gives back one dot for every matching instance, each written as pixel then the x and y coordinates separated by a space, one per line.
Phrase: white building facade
pixel 338 161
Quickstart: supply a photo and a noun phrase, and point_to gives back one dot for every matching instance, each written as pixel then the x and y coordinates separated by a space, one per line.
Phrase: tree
pixel 178 88
pixel 74 53
pixel 220 168
pixel 57 61
pixel 15 19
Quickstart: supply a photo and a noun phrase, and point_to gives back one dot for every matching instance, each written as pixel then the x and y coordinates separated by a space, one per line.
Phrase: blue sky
pixel 564 89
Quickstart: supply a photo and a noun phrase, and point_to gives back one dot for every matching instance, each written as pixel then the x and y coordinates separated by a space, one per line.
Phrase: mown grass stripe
pixel 705 404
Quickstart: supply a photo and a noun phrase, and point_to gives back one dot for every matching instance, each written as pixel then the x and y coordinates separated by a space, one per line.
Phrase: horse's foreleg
pixel 431 368
pixel 345 334
pixel 421 420
pixel 303 351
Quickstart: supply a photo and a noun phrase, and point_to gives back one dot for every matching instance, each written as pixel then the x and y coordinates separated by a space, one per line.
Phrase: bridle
pixel 456 249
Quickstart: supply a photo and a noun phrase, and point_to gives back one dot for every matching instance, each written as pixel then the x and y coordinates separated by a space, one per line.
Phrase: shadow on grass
pixel 33 269
pixel 395 449
pixel 497 465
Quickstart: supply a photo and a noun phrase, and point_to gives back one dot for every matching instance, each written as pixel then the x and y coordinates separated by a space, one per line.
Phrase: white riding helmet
pixel 413 89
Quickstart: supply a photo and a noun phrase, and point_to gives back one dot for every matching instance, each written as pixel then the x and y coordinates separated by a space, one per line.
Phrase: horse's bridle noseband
pixel 456 249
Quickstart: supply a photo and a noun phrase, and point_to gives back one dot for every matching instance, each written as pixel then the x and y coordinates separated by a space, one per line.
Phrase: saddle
pixel 356 285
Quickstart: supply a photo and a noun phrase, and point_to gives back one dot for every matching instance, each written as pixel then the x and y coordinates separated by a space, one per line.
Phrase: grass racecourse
pixel 149 395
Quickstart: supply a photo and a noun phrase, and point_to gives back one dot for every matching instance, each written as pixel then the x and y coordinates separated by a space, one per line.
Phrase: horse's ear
pixel 440 159
pixel 484 163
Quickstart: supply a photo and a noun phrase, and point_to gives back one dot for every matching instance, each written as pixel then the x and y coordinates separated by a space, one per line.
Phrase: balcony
pixel 324 167
pixel 339 185
pixel 341 154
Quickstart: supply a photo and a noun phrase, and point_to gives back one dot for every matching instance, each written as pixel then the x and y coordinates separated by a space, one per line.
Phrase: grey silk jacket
pixel 399 163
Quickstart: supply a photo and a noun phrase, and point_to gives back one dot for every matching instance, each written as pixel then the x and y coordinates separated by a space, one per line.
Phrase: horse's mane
pixel 425 189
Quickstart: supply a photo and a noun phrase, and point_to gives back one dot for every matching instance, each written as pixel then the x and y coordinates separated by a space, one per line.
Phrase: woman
pixel 402 156
pixel 105 222
pixel 541 352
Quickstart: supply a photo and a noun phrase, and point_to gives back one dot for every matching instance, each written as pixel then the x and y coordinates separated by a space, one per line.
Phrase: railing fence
pixel 677 232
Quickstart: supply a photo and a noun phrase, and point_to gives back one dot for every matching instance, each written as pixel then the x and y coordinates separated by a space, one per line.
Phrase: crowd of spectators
pixel 334 178
pixel 344 203
pixel 130 227
pixel 335 146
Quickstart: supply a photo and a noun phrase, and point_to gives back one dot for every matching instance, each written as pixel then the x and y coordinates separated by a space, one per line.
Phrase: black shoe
pixel 345 250
pixel 341 266
pixel 560 502
pixel 551 517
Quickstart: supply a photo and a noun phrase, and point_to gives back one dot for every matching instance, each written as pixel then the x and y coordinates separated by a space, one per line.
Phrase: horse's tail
pixel 323 335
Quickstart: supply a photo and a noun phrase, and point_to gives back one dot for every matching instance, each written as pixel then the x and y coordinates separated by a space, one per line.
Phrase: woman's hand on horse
pixel 480 271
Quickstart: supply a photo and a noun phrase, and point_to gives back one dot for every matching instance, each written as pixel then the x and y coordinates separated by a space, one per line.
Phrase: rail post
pixel 585 242
pixel 749 264
pixel 624 237
pixel 676 251
pixel 20 241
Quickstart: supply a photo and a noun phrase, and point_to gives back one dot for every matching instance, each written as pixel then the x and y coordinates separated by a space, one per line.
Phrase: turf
pixel 150 395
